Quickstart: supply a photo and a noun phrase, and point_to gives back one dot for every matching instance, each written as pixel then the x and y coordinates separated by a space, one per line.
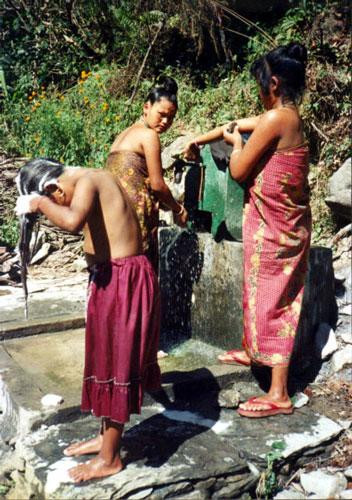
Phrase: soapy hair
pixel 32 178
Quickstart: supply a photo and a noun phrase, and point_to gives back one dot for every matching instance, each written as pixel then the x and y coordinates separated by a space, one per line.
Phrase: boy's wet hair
pixel 287 63
pixel 36 173
pixel 166 88
pixel 32 178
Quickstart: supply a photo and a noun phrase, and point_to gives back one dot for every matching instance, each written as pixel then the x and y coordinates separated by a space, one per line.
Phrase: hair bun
pixel 298 52
pixel 167 83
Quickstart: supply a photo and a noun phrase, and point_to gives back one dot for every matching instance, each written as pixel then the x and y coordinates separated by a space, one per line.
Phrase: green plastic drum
pixel 223 197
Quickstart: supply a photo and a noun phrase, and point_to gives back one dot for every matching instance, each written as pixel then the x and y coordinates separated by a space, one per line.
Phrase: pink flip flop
pixel 273 409
pixel 233 357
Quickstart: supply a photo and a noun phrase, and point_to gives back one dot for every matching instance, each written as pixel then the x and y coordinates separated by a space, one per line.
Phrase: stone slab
pixel 185 447
pixel 56 323
pixel 48 299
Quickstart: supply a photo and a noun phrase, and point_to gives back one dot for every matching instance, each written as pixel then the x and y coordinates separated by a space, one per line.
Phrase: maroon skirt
pixel 122 336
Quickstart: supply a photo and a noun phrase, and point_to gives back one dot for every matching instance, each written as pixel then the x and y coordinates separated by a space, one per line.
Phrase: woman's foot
pixel 84 447
pixel 265 406
pixel 95 468
pixel 235 357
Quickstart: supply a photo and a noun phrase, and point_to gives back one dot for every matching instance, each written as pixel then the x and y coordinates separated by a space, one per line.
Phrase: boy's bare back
pixel 93 200
pixel 112 228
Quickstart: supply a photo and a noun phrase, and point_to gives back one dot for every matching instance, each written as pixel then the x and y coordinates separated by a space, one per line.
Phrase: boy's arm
pixel 74 217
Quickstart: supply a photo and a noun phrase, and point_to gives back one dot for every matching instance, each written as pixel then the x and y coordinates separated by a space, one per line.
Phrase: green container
pixel 222 197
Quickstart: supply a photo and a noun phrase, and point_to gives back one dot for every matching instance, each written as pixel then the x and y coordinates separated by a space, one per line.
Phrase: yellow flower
pixel 37 139
pixel 62 97
pixel 30 98
pixel 117 118
pixel 85 99
pixel 85 74
pixel 34 93
pixel 107 120
pixel 27 118
pixel 105 106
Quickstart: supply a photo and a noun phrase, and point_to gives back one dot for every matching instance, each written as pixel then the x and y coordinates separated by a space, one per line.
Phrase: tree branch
pixel 139 74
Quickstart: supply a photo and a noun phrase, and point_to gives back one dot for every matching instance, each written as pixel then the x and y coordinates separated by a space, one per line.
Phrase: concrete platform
pixel 182 445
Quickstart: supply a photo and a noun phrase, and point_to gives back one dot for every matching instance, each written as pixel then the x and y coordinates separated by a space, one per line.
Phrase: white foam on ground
pixel 58 474
pixel 216 426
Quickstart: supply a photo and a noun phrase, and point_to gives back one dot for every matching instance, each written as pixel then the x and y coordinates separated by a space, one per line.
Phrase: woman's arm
pixel 265 136
pixel 248 124
pixel 152 152
pixel 191 150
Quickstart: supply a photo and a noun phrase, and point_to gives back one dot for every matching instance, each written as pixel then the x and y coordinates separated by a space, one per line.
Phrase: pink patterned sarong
pixel 276 240
pixel 122 336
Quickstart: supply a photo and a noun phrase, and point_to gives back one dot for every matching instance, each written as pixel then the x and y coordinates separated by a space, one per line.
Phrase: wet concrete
pixel 186 446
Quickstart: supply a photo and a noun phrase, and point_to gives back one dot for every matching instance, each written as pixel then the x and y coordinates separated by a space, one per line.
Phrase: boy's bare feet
pixel 94 469
pixel 84 447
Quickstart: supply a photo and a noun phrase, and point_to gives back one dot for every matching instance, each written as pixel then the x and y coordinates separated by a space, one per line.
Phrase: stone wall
pixel 201 288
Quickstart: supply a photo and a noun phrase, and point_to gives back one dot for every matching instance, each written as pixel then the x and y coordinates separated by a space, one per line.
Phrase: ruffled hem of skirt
pixel 117 401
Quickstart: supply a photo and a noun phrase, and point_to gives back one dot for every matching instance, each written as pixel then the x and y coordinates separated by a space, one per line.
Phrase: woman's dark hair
pixel 166 87
pixel 32 178
pixel 288 64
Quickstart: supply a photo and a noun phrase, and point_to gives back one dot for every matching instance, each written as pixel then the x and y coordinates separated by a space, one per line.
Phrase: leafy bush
pixel 78 124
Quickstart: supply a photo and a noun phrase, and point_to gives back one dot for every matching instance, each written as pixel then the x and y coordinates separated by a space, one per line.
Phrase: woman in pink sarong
pixel 276 222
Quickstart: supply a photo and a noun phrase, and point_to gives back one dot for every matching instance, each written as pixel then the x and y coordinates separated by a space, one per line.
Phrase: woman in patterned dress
pixel 135 159
pixel 276 223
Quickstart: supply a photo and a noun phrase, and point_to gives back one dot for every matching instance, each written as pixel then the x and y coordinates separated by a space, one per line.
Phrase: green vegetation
pixel 68 93
pixel 267 485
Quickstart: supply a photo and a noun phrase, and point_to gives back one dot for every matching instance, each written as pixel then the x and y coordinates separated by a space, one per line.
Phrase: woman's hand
pixel 191 151
pixel 233 138
pixel 181 217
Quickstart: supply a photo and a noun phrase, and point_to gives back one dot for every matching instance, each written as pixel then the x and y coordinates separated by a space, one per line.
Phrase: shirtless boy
pixel 122 327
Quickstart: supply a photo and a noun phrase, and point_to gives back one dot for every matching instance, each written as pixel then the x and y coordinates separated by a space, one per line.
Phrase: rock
pixel 347 337
pixel 301 399
pixel 346 495
pixel 325 341
pixel 325 485
pixel 339 191
pixel 289 494
pixel 343 286
pixel 341 358
pixel 80 264
pixel 229 398
pixel 51 400
pixel 348 473
pixel 42 253
pixel 171 152
pixel 347 310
